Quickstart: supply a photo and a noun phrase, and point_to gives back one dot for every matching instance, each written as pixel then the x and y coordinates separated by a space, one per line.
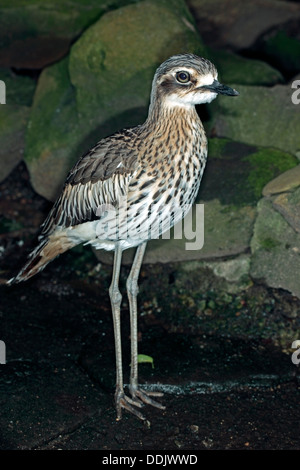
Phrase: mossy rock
pixel 236 69
pixel 231 188
pixel 236 173
pixel 53 132
pixel 285 182
pixel 19 89
pixel 102 86
pixel 35 33
pixel 17 92
pixel 259 116
pixel 275 250
pixel 117 55
pixel 288 204
pixel 281 49
pixel 13 122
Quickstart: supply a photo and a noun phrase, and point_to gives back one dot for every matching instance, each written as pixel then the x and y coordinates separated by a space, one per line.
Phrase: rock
pixel 233 68
pixel 281 48
pixel 254 117
pixel 236 173
pixel 13 121
pixel 227 230
pixel 14 116
pixel 275 248
pixel 144 35
pixel 103 86
pixel 234 271
pixel 53 132
pixel 232 184
pixel 287 181
pixel 34 34
pixel 288 205
pixel 19 89
pixel 237 24
pixel 276 240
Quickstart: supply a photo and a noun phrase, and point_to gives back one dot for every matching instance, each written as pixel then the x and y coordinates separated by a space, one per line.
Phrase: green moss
pixel 236 172
pixel 265 165
pixel 216 147
pixel 48 122
pixel 13 121
pixel 236 69
pixel 269 243
pixel 113 74
pixel 285 49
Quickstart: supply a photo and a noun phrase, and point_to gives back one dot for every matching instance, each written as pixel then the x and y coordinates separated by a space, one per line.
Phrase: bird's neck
pixel 163 118
pixel 171 133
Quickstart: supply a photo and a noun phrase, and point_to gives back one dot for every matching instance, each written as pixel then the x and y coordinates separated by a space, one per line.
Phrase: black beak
pixel 217 87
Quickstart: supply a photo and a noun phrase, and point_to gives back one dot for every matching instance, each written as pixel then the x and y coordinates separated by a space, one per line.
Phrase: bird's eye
pixel 183 77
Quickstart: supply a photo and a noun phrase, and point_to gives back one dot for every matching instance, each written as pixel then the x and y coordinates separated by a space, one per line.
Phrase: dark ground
pixel 56 390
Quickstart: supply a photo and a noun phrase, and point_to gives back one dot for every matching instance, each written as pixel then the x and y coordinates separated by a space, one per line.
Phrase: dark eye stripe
pixel 183 77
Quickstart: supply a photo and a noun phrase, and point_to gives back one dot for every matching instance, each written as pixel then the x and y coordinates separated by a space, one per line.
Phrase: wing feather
pixel 101 176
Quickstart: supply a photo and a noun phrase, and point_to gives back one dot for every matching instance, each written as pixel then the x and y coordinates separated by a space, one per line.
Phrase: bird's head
pixel 186 80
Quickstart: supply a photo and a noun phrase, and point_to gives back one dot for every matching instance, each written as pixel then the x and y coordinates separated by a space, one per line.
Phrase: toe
pixel 145 398
pixel 129 404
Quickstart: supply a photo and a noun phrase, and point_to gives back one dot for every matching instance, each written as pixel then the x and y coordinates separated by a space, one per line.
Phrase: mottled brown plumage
pixel 133 186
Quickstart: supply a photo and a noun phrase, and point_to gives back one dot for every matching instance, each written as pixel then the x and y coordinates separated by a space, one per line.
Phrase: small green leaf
pixel 143 358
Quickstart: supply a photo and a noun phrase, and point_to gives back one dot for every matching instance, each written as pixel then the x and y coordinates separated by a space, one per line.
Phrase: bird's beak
pixel 217 87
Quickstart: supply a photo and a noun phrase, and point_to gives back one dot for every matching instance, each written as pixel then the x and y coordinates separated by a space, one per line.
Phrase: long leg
pixel 132 291
pixel 115 297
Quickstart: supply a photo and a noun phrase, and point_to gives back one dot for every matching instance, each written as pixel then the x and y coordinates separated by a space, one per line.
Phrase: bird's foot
pixel 145 397
pixel 126 403
pixel 139 398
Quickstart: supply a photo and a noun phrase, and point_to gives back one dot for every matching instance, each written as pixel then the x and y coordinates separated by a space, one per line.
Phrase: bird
pixel 131 187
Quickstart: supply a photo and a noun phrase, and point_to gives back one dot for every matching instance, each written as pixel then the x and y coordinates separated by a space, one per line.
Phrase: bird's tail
pixel 48 249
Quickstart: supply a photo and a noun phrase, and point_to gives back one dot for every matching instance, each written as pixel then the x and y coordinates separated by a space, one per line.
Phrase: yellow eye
pixel 183 77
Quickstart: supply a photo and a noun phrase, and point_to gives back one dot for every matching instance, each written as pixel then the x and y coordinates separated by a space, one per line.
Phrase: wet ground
pixel 56 389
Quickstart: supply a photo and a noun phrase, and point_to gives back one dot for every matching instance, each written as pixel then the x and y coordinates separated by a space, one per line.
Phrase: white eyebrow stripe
pixel 207 79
